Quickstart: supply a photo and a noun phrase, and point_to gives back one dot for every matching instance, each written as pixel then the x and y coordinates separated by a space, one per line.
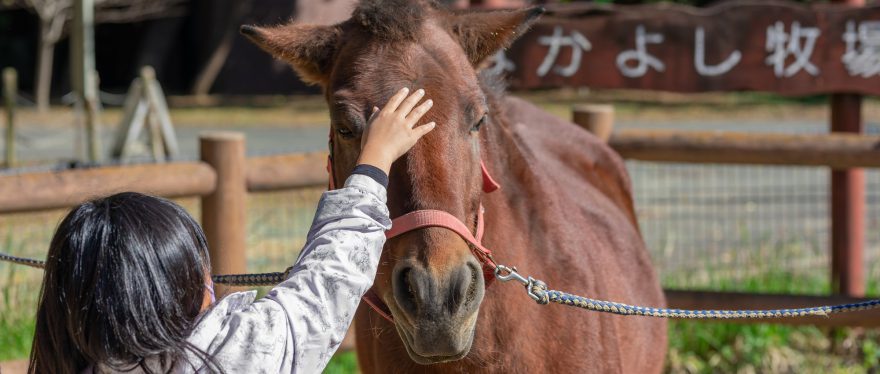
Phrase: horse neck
pixel 501 152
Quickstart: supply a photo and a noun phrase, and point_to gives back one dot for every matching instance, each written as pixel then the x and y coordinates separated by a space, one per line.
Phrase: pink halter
pixel 433 218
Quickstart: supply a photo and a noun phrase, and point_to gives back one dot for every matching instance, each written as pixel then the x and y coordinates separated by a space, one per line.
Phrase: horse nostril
pixel 476 276
pixel 423 294
pixel 465 288
pixel 405 291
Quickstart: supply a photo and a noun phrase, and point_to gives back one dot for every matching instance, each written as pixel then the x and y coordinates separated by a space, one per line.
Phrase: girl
pixel 127 285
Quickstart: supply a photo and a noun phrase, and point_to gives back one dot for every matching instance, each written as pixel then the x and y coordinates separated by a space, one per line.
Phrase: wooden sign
pixel 776 47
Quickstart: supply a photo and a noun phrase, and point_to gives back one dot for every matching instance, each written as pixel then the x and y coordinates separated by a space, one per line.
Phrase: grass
pixel 342 363
pixel 16 321
pixel 16 334
pixel 711 347
pixel 694 347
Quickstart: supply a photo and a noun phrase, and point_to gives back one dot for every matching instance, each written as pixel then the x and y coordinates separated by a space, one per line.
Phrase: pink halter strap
pixel 437 218
pixel 433 218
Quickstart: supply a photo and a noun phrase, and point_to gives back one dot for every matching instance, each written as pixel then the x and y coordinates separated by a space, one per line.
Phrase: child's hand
pixel 390 131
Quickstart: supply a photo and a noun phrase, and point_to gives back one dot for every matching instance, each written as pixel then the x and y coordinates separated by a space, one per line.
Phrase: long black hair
pixel 125 280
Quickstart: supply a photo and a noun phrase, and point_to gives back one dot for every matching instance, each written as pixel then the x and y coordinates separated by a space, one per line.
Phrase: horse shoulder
pixel 570 155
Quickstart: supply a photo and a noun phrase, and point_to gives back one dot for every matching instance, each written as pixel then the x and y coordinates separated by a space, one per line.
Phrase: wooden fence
pixel 222 179
pixel 836 151
pixel 841 152
pixel 224 176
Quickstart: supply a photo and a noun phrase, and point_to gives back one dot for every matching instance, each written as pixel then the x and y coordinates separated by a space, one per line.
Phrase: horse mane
pixel 493 84
pixel 393 20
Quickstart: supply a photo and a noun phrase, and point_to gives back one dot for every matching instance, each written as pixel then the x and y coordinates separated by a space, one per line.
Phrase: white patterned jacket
pixel 300 323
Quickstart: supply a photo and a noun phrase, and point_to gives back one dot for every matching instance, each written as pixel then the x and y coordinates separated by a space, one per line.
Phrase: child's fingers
pixel 424 129
pixel 407 105
pixel 395 101
pixel 418 112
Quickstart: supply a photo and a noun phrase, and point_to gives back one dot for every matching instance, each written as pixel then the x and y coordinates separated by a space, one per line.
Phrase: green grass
pixel 16 327
pixel 17 307
pixel 694 347
pixel 16 334
pixel 710 347
pixel 342 363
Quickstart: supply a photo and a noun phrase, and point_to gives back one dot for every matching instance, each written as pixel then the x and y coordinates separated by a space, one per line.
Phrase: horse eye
pixel 479 123
pixel 345 133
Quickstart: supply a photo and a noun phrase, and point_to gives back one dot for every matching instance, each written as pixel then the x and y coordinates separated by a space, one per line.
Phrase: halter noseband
pixel 420 219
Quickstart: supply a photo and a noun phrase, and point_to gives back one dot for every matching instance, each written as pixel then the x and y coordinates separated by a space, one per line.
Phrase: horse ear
pixel 481 34
pixel 308 48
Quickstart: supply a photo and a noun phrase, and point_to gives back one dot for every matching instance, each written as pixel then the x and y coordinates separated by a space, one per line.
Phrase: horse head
pixel 429 278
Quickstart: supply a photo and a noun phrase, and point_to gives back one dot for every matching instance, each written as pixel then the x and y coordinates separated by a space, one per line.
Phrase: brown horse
pixel 564 213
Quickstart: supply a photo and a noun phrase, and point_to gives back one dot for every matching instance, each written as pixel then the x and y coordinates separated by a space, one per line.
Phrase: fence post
pixel 847 206
pixel 595 118
pixel 847 200
pixel 224 210
pixel 10 92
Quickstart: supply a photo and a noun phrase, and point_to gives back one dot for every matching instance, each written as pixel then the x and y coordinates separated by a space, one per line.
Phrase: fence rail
pixel 63 189
pixel 838 151
pixel 754 301
pixel 285 172
pixel 52 190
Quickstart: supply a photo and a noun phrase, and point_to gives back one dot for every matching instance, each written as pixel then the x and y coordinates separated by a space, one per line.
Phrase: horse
pixel 564 212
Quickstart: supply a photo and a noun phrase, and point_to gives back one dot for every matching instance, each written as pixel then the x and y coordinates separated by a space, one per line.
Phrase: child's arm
pixel 300 323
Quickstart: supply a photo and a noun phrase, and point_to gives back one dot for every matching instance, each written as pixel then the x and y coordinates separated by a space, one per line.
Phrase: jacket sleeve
pixel 300 323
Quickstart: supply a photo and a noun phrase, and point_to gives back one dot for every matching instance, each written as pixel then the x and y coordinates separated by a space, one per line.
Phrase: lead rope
pixel 540 293
pixel 237 280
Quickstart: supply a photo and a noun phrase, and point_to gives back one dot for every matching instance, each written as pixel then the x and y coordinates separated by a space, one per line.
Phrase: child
pixel 127 285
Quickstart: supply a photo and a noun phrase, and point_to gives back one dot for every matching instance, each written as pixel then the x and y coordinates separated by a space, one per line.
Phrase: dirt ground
pixel 298 123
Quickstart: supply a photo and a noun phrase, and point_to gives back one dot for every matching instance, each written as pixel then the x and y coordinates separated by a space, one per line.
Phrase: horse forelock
pixel 393 20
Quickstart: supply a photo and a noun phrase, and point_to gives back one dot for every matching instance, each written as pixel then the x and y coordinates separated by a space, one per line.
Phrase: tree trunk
pixel 51 28
pixel 43 83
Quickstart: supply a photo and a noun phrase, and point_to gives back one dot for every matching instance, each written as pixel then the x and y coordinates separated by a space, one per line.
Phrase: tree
pixel 53 16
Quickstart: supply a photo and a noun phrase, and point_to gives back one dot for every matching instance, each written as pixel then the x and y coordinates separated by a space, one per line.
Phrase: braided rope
pixel 22 261
pixel 236 280
pixel 251 280
pixel 539 292
pixel 542 295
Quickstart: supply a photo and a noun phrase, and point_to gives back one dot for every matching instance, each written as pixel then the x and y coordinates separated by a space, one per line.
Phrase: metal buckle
pixel 506 274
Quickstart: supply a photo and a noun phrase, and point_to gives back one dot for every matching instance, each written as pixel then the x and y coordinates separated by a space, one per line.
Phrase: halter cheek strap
pixel 489 184
pixel 420 219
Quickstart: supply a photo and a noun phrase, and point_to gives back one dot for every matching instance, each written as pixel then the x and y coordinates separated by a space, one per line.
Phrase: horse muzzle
pixel 435 314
